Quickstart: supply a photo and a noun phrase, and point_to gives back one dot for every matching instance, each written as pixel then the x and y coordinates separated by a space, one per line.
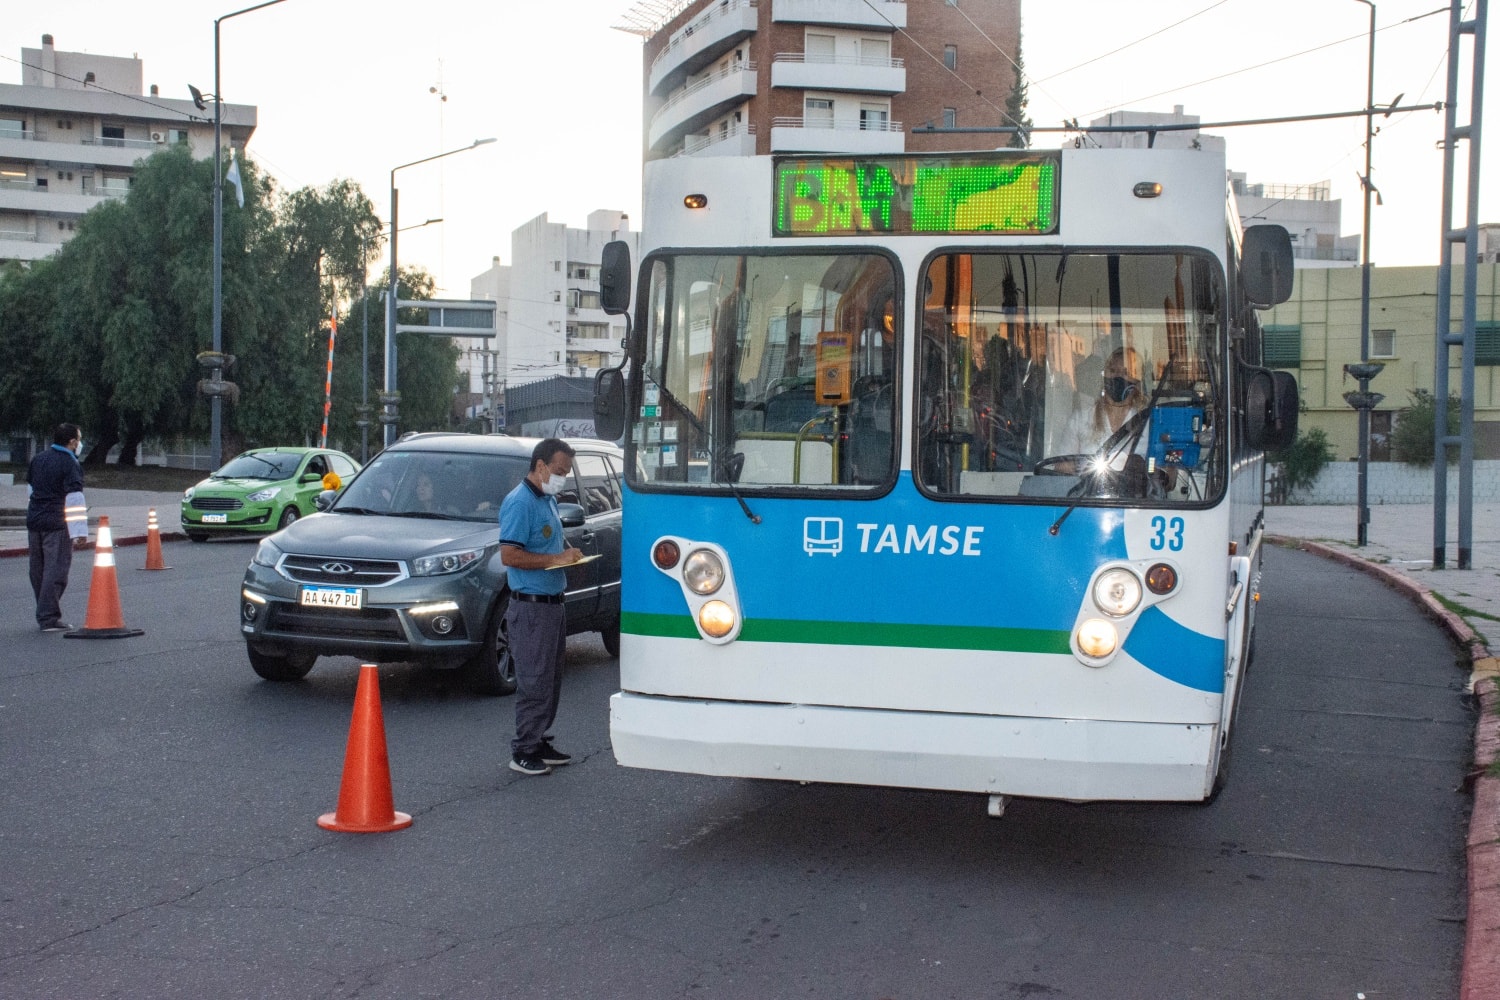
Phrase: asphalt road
pixel 159 839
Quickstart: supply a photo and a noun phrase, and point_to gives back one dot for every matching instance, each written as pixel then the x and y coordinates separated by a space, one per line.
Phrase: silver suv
pixel 404 564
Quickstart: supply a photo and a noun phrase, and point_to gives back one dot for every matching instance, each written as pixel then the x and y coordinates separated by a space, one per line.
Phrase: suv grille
pixel 216 503
pixel 362 572
pixel 366 623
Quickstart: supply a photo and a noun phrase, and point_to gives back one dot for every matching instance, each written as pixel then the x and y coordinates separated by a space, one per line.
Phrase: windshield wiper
pixel 424 514
pixel 1129 435
pixel 355 510
pixel 713 447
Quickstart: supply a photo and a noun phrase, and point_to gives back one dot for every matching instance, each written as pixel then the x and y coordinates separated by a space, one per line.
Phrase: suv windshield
pixel 769 371
pixel 435 484
pixel 1071 375
pixel 261 465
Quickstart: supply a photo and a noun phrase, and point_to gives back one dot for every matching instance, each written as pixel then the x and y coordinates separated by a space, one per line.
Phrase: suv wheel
pixel 280 668
pixel 611 636
pixel 492 670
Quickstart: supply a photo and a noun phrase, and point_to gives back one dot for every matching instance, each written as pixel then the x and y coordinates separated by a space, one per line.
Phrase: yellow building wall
pixel 1325 303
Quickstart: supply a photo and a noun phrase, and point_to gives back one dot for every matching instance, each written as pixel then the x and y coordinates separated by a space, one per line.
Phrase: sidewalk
pixel 126 510
pixel 1399 549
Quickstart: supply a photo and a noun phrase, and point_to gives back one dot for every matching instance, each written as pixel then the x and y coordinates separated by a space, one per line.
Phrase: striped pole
pixel 333 332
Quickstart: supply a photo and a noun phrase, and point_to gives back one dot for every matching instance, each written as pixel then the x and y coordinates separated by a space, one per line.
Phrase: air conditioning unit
pixel 158 137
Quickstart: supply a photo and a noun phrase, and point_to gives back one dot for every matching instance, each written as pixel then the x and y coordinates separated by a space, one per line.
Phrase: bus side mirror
pixel 615 277
pixel 609 404
pixel 1266 265
pixel 1271 407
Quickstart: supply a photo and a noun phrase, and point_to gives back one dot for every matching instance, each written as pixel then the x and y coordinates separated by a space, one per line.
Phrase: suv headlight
pixel 261 496
pixel 447 562
pixel 266 554
pixel 187 494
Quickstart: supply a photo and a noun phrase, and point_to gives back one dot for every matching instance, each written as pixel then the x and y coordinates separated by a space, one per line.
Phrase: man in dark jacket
pixel 54 475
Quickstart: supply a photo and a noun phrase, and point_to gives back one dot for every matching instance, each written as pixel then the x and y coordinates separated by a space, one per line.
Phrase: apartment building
pixel 551 323
pixel 746 77
pixel 71 133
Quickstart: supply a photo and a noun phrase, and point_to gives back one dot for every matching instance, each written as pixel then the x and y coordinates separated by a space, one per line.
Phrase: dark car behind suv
pixel 404 564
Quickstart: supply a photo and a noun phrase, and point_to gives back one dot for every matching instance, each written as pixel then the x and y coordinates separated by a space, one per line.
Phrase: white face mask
pixel 554 484
pixel 79 450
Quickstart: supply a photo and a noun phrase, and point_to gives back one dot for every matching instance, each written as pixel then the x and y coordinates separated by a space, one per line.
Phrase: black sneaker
pixel 529 764
pixel 57 627
pixel 551 755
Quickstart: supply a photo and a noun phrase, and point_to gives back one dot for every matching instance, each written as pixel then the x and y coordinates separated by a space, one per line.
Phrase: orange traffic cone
pixel 153 543
pixel 104 619
pixel 365 803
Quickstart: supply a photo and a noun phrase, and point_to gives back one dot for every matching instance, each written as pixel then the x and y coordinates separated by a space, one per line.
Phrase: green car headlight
pixel 261 496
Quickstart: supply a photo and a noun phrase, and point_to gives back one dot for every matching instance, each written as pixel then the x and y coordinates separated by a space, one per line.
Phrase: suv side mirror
pixel 609 404
pixel 325 499
pixel 571 515
pixel 1266 265
pixel 614 278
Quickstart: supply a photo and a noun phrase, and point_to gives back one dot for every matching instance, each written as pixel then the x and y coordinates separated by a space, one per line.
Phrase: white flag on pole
pixel 233 177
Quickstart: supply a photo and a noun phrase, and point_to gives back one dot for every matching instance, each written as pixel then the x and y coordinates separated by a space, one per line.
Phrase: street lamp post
pixel 390 397
pixel 364 345
pixel 1362 528
pixel 216 403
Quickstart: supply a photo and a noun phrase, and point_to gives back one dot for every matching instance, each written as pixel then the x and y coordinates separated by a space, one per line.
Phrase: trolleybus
pixel 944 471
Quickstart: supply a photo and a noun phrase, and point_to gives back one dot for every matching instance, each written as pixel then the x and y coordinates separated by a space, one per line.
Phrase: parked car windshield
pixel 447 485
pixel 261 465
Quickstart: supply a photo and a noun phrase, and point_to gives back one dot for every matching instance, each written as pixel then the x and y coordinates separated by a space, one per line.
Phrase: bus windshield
pixel 1071 375
pixel 770 371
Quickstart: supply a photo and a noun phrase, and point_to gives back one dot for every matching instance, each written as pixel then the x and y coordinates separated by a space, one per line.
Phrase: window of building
pixel 875 51
pixel 818 48
pixel 950 118
pixel 112 135
pixel 13 128
pixel 818 112
pixel 176 135
pixel 583 298
pixel 1282 347
pixel 874 117
pixel 1382 343
pixel 950 56
pixel 1487 343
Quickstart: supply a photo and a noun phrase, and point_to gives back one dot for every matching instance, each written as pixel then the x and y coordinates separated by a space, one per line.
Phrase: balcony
pixel 707 37
pixel 846 73
pixel 700 103
pixel 30 198
pixel 24 246
pixel 800 135
pixel 68 148
pixel 882 15
pixel 738 141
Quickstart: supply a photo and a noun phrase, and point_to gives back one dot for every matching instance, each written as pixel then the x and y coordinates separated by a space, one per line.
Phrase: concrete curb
pixel 119 542
pixel 1481 971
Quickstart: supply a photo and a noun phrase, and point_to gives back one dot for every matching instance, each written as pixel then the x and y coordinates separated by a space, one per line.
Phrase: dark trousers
pixel 538 641
pixel 51 559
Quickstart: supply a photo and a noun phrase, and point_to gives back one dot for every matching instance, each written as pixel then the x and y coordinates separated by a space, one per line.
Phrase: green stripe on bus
pixel 1009 640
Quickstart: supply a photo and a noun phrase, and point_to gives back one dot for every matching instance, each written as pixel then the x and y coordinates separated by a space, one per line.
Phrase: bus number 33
pixel 1166 533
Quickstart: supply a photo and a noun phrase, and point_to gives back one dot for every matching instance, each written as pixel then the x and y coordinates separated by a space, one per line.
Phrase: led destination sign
pixel 995 193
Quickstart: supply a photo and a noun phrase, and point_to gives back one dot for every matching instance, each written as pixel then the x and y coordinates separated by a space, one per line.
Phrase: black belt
pixel 538 598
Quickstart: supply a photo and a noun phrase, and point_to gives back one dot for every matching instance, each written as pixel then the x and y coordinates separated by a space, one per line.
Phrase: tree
pixel 1411 437
pixel 106 332
pixel 1015 106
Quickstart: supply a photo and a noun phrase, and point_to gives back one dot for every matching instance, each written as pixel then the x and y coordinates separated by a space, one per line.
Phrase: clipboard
pixel 580 562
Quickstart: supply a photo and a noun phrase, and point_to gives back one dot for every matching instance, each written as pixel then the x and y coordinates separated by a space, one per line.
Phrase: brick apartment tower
pixel 743 77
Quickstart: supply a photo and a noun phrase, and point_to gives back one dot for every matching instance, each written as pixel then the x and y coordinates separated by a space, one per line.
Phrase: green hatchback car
pixel 260 491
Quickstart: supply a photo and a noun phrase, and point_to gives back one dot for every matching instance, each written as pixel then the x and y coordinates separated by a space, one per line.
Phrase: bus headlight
pixel 1117 592
pixel 716 618
pixel 1097 638
pixel 703 571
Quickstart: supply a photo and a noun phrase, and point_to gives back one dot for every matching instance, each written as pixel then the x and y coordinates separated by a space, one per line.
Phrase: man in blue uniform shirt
pixel 55 477
pixel 531 545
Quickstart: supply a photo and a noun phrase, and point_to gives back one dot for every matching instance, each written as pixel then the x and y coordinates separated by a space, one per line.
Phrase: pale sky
pixel 345 90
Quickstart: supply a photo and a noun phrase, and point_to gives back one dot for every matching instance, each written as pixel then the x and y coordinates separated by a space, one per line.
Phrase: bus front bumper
pixel 1074 759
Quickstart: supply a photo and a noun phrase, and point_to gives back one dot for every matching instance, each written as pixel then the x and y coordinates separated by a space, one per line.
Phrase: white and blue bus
pixel 945 471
